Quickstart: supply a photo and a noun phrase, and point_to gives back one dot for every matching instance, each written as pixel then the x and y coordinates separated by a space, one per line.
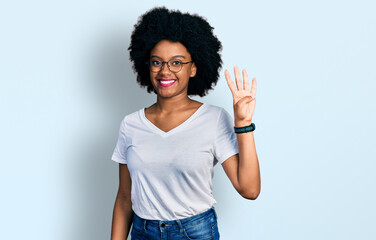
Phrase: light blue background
pixel 66 83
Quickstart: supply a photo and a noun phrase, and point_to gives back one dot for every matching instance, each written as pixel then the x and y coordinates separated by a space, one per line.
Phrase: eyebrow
pixel 176 56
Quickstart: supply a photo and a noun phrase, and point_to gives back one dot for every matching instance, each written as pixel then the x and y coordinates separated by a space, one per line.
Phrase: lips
pixel 166 82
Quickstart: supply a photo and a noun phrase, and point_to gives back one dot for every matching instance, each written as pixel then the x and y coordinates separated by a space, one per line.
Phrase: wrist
pixel 243 123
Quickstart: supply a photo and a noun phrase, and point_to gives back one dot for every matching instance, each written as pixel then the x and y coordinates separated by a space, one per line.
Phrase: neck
pixel 168 105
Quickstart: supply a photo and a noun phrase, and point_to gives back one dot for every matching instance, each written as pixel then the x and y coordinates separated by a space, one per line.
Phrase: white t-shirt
pixel 172 171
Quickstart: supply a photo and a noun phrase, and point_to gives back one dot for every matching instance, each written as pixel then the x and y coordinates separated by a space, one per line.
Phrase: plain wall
pixel 67 82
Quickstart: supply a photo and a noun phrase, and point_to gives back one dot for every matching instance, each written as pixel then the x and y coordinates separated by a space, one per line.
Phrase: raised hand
pixel 244 100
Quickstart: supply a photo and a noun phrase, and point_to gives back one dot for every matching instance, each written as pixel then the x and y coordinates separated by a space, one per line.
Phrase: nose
pixel 165 69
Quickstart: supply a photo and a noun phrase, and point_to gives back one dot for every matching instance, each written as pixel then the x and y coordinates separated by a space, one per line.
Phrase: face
pixel 167 83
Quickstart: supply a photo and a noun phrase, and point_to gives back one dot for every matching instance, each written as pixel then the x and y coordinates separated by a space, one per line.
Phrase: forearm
pixel 248 168
pixel 122 219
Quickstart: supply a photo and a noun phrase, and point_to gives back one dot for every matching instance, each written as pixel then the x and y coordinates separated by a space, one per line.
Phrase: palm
pixel 244 105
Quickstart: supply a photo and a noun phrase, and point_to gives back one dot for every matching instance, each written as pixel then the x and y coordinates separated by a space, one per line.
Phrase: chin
pixel 165 95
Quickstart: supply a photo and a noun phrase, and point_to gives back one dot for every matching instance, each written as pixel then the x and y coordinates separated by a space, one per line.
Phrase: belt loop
pixel 145 225
pixel 180 226
pixel 215 214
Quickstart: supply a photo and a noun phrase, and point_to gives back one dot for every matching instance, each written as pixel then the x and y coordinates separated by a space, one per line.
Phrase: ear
pixel 193 70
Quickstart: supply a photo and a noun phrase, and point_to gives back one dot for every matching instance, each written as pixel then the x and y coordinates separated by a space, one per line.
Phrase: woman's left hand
pixel 244 100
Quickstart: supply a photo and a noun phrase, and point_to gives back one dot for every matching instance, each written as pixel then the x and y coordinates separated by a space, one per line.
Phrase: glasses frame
pixel 168 65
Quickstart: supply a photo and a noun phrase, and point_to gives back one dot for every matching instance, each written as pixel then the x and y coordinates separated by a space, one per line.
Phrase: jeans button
pixel 163 225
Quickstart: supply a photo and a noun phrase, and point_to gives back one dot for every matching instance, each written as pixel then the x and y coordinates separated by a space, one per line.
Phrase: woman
pixel 166 152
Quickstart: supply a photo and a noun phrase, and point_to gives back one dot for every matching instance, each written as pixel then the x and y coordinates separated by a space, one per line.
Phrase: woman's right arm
pixel 123 213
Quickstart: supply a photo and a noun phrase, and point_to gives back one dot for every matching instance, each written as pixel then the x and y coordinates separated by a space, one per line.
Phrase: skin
pixel 243 169
pixel 173 105
pixel 172 108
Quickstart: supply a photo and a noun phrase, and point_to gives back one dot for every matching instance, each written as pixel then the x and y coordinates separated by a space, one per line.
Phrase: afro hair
pixel 193 31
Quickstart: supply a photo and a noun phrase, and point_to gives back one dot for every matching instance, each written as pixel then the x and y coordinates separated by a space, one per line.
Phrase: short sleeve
pixel 225 143
pixel 119 154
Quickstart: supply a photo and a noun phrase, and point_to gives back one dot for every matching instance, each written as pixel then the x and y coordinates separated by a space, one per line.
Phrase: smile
pixel 166 82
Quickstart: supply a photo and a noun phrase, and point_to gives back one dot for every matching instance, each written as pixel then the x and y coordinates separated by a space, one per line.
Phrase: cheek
pixel 186 74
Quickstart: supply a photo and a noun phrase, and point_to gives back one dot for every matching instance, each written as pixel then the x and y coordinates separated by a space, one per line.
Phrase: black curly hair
pixel 193 31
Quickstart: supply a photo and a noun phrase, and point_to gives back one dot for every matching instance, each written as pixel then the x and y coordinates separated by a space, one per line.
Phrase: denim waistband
pixel 173 224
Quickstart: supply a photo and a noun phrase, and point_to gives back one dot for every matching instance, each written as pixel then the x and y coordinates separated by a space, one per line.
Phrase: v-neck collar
pixel 163 133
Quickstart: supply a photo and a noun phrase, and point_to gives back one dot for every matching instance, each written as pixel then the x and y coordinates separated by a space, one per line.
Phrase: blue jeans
pixel 199 227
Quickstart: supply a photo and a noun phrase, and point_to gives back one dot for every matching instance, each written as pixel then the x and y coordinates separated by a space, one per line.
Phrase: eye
pixel 155 63
pixel 175 63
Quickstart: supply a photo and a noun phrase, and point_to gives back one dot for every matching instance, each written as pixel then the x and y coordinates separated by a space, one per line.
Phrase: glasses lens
pixel 174 65
pixel 155 65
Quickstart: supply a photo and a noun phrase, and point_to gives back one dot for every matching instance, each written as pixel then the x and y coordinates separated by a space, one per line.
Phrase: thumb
pixel 246 99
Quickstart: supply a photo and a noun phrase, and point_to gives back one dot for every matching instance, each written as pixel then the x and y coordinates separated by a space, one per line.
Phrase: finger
pixel 230 83
pixel 238 79
pixel 253 89
pixel 245 80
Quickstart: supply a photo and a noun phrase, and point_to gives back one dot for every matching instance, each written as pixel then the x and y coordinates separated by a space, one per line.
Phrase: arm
pixel 123 213
pixel 243 169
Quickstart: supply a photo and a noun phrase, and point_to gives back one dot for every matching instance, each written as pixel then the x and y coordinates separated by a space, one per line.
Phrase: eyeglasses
pixel 174 65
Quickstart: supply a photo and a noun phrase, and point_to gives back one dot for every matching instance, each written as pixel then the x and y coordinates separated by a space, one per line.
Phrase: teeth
pixel 167 82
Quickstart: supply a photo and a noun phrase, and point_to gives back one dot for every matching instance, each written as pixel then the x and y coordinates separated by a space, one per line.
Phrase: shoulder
pixel 223 118
pixel 217 111
pixel 133 117
pixel 213 108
